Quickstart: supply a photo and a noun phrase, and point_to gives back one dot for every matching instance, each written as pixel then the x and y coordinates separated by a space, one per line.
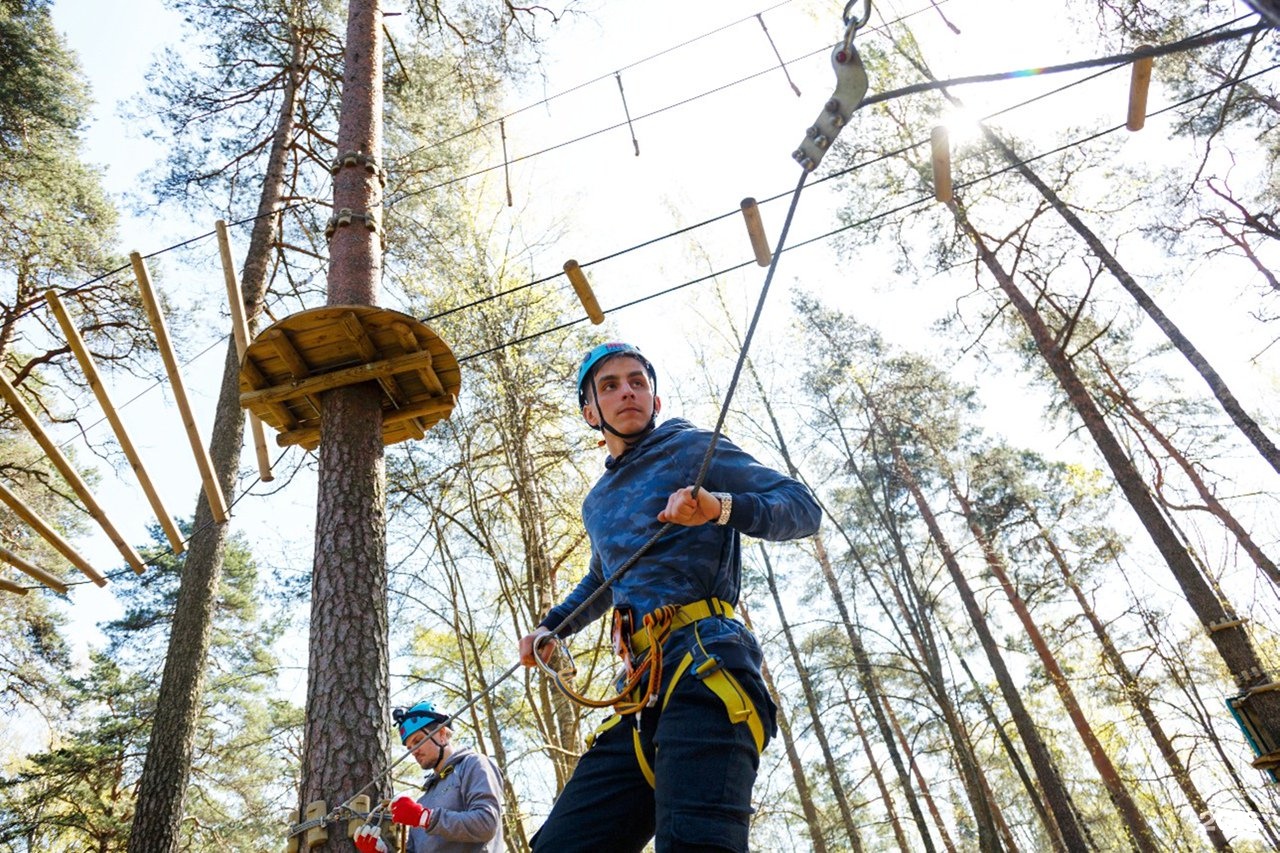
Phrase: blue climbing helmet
pixel 597 354
pixel 417 717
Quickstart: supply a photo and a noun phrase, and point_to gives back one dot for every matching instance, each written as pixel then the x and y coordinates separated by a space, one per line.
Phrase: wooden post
pixel 240 328
pixel 1139 83
pixel 50 535
pixel 940 147
pixel 755 230
pixel 582 287
pixel 68 473
pixel 213 491
pixel 90 369
pixel 10 586
pixel 36 572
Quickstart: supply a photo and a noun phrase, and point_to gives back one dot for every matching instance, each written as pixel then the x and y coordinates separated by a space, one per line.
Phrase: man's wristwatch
pixel 726 507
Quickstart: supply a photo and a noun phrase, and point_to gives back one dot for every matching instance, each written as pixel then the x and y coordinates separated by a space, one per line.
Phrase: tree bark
pixel 347 714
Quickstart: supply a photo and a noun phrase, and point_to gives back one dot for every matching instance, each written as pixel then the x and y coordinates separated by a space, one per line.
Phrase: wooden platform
pixel 290 365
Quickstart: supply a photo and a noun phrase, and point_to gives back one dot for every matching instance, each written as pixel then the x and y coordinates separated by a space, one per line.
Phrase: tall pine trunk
pixel 347 714
pixel 1055 792
pixel 1139 831
pixel 1228 634
pixel 167 767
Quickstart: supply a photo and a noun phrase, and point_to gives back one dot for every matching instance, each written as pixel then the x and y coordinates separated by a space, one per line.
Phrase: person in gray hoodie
pixel 460 810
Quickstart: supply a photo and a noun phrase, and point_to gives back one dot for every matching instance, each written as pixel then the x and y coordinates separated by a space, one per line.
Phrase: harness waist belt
pixel 686 615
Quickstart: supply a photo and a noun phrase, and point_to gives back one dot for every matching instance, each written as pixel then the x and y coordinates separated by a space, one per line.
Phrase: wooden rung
pixel 755 232
pixel 317 835
pixel 583 288
pixel 69 474
pixel 48 534
pixel 240 329
pixel 212 489
pixel 10 586
pixel 34 571
pixel 940 156
pixel 1139 84
pixel 90 369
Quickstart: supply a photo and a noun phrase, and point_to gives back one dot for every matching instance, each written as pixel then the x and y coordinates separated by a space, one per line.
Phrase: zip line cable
pixel 1185 44
pixel 918 202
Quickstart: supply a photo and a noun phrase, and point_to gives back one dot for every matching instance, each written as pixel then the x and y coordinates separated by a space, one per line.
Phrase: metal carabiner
pixel 852 24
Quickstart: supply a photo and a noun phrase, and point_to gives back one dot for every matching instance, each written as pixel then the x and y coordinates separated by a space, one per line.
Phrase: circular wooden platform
pixel 293 362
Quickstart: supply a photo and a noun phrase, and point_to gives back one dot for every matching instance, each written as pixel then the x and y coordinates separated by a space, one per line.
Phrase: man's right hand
pixel 529 641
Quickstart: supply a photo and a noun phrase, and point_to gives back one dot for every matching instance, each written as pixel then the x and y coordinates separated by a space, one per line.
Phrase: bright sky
pixel 696 161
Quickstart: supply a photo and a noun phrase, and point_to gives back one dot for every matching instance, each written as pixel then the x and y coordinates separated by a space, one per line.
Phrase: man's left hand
pixel 405 810
pixel 686 510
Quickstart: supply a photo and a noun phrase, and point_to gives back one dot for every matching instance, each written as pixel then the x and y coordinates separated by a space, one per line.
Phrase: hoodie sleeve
pixel 766 504
pixel 590 582
pixel 481 814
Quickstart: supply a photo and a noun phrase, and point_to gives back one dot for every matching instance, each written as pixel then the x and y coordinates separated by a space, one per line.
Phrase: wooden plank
pixel 434 409
pixel 90 369
pixel 68 473
pixel 48 534
pixel 212 489
pixel 409 341
pixel 34 571
pixel 240 329
pixel 337 379
pixel 293 360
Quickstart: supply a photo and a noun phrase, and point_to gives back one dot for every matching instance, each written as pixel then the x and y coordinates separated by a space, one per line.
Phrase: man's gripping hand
pixel 684 509
pixel 368 839
pixel 529 642
pixel 405 810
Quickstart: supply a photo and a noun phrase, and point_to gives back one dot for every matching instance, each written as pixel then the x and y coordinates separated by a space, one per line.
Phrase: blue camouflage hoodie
pixel 686 564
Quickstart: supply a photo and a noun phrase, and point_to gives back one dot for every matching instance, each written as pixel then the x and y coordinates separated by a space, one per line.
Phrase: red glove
pixel 405 810
pixel 369 840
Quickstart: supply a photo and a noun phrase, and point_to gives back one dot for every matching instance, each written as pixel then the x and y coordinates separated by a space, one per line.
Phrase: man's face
pixel 624 395
pixel 426 750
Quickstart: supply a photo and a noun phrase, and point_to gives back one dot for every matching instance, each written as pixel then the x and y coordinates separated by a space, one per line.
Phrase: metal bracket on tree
pixel 851 87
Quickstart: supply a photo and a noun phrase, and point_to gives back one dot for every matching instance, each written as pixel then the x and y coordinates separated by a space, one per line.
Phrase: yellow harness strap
pixel 686 615
pixel 641 761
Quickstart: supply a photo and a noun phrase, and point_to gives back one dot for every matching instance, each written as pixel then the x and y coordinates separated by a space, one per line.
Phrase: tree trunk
pixel 920 780
pixel 885 794
pixel 167 767
pixel 1139 832
pixel 1137 697
pixel 815 711
pixel 1227 633
pixel 347 714
pixel 1054 791
pixel 817 842
pixel 1211 503
pixel 1246 424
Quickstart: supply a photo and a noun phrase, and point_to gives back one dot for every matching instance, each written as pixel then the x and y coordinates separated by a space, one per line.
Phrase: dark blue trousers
pixel 704 767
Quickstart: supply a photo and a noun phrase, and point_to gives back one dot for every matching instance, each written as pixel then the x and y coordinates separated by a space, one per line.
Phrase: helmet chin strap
pixel 628 437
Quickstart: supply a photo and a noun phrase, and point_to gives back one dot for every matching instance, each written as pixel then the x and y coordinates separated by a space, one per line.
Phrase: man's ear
pixel 589 415
pixel 657 405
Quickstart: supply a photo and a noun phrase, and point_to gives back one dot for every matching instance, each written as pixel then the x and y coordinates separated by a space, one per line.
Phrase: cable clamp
pixel 851 87
pixel 359 159
pixel 346 216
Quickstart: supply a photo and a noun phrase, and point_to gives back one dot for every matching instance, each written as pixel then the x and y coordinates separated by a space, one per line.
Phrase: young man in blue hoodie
pixel 679 764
